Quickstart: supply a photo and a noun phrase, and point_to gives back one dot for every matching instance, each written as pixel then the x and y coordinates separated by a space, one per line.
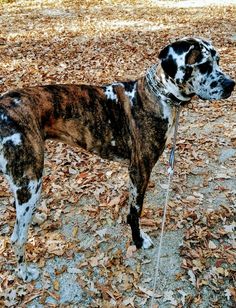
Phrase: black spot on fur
pixel 26 210
pixel 169 66
pixel 164 53
pixel 129 86
pixel 133 221
pixel 205 68
pixel 213 84
pixel 206 43
pixel 187 75
pixel 20 259
pixel 38 186
pixel 14 94
pixel 213 53
pixel 181 47
pixel 23 195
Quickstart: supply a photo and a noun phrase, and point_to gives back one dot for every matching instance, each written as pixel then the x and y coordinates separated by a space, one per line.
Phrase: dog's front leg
pixel 139 177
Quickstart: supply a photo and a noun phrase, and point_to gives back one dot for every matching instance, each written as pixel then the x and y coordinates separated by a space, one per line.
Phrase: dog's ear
pixel 168 63
pixel 194 55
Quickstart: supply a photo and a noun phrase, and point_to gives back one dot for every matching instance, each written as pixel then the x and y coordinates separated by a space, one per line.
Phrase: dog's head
pixel 191 67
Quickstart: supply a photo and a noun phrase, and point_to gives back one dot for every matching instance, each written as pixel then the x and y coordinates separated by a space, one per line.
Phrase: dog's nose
pixel 228 85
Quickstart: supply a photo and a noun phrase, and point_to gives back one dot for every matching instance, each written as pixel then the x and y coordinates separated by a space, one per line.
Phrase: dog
pixel 129 120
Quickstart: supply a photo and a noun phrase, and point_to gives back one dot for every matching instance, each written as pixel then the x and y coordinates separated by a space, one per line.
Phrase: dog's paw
pixel 27 272
pixel 147 242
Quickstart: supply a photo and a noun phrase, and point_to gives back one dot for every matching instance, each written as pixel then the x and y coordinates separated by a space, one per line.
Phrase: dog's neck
pixel 160 86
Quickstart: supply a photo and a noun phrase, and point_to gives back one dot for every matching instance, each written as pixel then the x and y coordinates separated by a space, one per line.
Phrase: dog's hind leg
pixel 23 166
pixel 26 198
pixel 139 177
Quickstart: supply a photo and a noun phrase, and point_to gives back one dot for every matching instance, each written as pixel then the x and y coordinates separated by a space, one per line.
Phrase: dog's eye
pixel 205 68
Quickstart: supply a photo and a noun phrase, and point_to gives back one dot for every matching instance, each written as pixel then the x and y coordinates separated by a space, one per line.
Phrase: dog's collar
pixel 175 101
pixel 157 89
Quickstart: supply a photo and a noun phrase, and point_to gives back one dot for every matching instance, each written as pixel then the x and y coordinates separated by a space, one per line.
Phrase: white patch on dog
pixel 131 95
pixel 167 112
pixel 17 101
pixel 32 187
pixel 133 193
pixel 166 109
pixel 3 117
pixel 180 59
pixel 15 138
pixel 113 143
pixel 133 190
pixel 3 162
pixel 147 242
pixel 109 91
pixel 19 236
pixel 110 94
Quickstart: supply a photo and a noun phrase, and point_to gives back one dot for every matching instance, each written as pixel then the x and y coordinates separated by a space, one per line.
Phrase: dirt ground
pixel 80 240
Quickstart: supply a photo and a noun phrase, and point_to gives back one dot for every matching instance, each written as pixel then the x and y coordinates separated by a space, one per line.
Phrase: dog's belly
pixel 93 132
pixel 100 139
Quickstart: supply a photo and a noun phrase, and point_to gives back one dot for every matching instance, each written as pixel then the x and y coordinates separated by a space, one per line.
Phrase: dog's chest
pixel 168 113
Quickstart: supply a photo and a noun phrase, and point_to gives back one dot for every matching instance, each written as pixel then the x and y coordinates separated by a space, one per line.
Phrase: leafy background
pixel 79 239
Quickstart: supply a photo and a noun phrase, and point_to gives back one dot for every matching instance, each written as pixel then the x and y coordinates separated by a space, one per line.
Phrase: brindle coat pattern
pixel 125 120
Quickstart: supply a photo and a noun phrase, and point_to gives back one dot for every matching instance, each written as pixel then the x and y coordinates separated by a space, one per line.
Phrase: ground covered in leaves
pixel 79 239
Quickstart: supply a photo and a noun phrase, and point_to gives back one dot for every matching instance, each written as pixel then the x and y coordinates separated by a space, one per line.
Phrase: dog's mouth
pixel 228 86
pixel 226 95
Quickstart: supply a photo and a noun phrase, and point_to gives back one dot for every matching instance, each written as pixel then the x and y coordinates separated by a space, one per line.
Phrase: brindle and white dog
pixel 130 120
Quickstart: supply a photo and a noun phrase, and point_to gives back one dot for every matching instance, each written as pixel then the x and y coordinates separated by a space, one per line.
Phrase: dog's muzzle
pixel 228 87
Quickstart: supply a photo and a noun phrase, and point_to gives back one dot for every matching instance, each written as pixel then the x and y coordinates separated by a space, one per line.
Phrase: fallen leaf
pixel 129 301
pixel 130 251
pixel 192 277
pixel 169 297
pixel 56 285
pixel 212 245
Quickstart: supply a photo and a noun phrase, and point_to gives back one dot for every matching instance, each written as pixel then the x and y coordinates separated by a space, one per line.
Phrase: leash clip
pixel 172 152
pixel 171 162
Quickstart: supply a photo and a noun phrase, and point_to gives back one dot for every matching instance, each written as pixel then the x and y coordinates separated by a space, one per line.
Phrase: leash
pixel 171 173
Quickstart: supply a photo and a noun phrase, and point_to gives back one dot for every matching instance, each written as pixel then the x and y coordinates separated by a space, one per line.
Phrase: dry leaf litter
pixel 79 239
